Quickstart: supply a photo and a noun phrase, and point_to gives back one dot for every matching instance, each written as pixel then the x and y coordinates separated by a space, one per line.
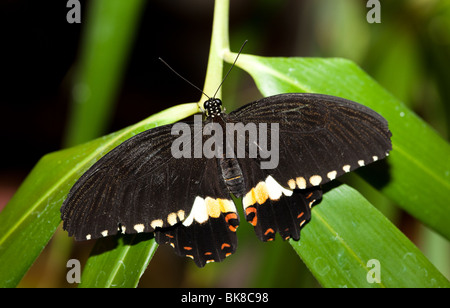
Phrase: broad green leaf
pixel 346 232
pixel 118 262
pixel 419 164
pixel 31 217
pixel 110 26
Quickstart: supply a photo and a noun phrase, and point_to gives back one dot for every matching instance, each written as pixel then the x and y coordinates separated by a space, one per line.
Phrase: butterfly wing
pixel 208 234
pixel 318 138
pixel 272 208
pixel 139 186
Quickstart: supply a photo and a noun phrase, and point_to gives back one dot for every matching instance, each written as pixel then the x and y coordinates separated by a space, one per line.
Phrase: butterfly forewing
pixel 320 137
pixel 137 187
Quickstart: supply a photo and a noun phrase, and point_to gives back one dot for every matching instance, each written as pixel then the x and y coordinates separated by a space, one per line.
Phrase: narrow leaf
pixel 118 261
pixel 349 243
pixel 31 217
pixel 107 40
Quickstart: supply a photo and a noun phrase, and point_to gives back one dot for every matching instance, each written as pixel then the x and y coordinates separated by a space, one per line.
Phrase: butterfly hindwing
pixel 272 208
pixel 210 241
pixel 208 233
pixel 286 216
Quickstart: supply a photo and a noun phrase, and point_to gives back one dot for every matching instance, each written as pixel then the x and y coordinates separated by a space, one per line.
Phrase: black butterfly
pixel 140 187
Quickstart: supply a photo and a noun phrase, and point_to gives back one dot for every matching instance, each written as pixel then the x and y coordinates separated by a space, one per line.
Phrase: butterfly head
pixel 213 107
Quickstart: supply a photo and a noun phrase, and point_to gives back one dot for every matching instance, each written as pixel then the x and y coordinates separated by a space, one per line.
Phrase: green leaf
pixel 419 164
pixel 118 261
pixel 107 40
pixel 31 217
pixel 346 231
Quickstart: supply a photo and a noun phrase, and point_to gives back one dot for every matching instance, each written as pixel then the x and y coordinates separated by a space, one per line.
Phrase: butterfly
pixel 140 186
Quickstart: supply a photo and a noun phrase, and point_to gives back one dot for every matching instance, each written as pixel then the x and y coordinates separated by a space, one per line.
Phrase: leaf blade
pixel 105 47
pixel 31 217
pixel 120 266
pixel 346 231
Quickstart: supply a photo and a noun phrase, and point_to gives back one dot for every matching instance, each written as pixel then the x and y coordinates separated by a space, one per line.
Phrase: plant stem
pixel 219 46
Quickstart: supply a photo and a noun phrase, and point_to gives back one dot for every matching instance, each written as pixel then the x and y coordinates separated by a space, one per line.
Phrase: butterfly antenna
pixel 235 60
pixel 183 77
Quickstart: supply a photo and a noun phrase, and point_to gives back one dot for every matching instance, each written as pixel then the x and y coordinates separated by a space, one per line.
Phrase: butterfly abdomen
pixel 232 175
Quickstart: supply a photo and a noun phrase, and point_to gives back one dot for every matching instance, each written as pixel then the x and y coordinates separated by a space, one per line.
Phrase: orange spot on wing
pixel 225 245
pixel 232 228
pixel 250 210
pixel 270 230
pixel 227 219
pixel 230 216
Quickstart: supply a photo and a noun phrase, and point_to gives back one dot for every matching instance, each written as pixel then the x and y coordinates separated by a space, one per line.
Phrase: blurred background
pixel 45 57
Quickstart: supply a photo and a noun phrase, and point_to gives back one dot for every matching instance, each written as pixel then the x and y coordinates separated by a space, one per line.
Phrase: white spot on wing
pixel 172 218
pixel 315 180
pixel 375 158
pixel 156 223
pixel 332 174
pixel 105 233
pixel 88 237
pixel 198 212
pixel 180 214
pixel 291 184
pixel 301 182
pixel 139 228
pixel 275 190
pixel 361 163
pixel 346 168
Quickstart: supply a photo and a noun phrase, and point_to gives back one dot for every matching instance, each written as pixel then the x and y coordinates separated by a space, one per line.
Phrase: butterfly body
pixel 140 186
